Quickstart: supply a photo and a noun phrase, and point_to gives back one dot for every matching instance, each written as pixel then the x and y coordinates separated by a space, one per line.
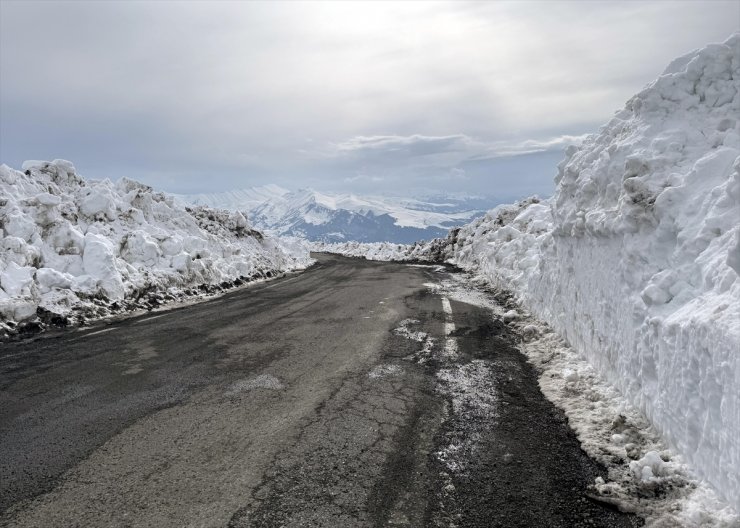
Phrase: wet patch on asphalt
pixel 507 456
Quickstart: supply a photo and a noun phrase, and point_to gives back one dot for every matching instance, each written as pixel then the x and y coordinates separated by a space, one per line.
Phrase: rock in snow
pixel 70 245
pixel 635 259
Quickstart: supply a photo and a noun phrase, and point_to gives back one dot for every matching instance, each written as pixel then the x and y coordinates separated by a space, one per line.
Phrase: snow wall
pixel 67 243
pixel 635 259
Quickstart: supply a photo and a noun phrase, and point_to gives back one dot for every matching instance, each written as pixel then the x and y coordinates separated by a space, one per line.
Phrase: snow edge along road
pixel 651 479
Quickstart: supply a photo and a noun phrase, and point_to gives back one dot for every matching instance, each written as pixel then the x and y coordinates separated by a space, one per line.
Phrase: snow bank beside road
pixel 635 260
pixel 644 475
pixel 72 246
pixel 383 251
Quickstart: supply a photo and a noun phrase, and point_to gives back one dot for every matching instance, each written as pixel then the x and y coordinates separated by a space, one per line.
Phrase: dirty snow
pixel 384 371
pixel 383 251
pixel 404 330
pixel 470 403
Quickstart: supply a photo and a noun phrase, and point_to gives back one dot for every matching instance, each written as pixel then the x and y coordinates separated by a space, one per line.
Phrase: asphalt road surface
pixel 349 395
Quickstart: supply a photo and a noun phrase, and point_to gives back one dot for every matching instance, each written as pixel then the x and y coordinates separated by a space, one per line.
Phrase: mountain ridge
pixel 331 217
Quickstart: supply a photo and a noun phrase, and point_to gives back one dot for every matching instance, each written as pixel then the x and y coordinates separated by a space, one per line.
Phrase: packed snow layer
pixel 635 259
pixel 69 242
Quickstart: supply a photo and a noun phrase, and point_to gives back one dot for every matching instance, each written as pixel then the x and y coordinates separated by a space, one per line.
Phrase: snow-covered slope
pixel 70 245
pixel 236 200
pixel 328 217
pixel 636 258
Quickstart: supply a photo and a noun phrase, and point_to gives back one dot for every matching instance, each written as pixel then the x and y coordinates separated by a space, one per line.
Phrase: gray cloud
pixel 531 146
pixel 440 150
pixel 214 95
pixel 414 145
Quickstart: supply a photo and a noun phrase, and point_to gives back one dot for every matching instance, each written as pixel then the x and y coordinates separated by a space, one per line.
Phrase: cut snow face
pixel 72 248
pixel 634 260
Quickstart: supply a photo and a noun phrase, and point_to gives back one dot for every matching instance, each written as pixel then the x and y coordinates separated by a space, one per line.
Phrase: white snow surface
pixel 381 251
pixel 68 243
pixel 635 260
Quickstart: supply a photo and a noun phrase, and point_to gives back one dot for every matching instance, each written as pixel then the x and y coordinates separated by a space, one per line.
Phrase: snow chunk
pixel 98 204
pixel 48 200
pixel 49 278
pixel 17 280
pixel 99 261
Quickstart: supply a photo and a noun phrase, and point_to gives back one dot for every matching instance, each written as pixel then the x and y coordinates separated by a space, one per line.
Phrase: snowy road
pixel 349 395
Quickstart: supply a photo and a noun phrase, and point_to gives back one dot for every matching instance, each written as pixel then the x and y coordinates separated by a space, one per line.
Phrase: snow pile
pixel 69 244
pixel 635 260
pixel 385 251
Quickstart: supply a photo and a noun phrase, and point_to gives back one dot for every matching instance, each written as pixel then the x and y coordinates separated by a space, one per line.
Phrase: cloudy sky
pixel 377 97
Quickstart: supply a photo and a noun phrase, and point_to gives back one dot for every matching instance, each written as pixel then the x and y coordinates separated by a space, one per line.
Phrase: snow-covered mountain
pixel 329 217
pixel 239 199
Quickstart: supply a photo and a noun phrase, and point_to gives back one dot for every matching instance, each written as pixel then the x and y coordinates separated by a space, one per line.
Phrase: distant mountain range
pixel 331 217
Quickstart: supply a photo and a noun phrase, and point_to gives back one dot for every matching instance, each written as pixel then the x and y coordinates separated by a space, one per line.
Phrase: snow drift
pixel 635 259
pixel 70 244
